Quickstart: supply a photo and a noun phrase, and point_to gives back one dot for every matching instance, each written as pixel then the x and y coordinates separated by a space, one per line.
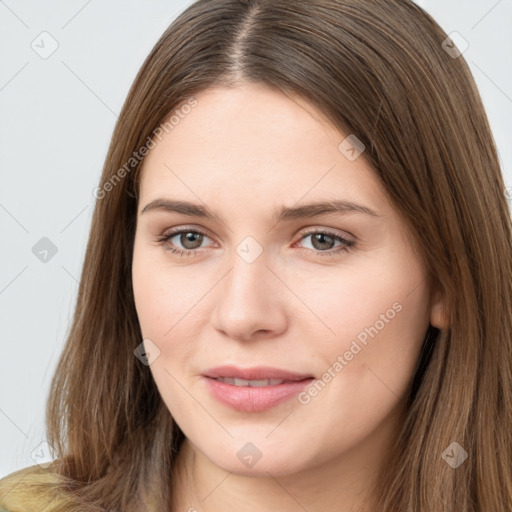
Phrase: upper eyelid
pixel 302 233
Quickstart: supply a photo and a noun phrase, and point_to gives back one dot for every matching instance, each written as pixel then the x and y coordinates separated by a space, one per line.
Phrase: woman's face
pixel 318 314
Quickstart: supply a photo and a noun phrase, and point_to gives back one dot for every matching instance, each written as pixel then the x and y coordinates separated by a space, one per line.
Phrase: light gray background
pixel 56 119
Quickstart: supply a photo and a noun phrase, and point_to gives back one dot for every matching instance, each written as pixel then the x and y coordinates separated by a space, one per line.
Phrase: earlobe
pixel 438 313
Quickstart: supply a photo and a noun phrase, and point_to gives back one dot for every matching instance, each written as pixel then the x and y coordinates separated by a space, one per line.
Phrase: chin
pixel 258 459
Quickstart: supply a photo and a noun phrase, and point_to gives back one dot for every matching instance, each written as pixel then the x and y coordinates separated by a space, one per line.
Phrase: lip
pixel 254 373
pixel 254 399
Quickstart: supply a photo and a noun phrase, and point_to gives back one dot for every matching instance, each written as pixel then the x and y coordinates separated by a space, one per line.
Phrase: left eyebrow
pixel 315 209
pixel 280 214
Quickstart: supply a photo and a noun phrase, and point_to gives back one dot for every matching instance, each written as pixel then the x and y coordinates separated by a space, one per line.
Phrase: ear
pixel 438 310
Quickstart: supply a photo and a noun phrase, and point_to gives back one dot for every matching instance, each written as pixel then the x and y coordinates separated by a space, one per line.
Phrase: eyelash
pixel 347 244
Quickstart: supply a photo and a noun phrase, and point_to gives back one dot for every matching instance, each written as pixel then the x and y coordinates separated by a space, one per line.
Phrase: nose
pixel 250 301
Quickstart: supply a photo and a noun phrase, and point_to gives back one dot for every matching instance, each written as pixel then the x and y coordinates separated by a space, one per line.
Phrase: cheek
pixel 379 319
pixel 148 296
pixel 160 297
pixel 160 302
pixel 170 312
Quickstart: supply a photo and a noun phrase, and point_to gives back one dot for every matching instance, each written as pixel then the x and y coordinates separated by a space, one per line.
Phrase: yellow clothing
pixel 14 493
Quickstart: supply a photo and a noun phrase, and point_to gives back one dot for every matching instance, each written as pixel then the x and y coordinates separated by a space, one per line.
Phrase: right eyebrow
pixel 183 207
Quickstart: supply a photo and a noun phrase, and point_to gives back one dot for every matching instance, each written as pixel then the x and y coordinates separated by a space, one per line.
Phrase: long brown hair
pixel 377 69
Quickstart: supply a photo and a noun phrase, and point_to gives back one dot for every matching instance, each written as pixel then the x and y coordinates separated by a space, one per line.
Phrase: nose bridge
pixel 248 279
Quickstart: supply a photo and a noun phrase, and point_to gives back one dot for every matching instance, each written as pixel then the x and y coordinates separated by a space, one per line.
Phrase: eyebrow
pixel 280 214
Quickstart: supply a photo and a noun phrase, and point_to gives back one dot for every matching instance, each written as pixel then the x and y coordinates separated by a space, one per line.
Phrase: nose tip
pixel 246 305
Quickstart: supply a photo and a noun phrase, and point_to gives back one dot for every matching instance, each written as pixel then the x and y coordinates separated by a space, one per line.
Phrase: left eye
pixel 321 238
pixel 191 240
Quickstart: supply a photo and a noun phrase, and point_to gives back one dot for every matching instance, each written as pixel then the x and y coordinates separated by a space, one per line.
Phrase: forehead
pixel 252 143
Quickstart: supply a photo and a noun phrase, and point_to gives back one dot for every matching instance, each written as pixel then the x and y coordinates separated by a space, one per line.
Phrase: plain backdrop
pixel 65 70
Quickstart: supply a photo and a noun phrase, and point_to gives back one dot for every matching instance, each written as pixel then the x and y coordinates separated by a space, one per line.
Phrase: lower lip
pixel 255 399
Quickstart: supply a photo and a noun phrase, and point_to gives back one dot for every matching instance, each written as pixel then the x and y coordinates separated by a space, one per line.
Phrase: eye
pixel 191 240
pixel 322 242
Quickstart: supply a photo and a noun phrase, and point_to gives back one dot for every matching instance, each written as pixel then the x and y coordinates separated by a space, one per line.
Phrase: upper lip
pixel 254 373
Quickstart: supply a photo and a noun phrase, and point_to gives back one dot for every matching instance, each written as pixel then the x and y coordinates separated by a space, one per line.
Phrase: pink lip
pixel 254 399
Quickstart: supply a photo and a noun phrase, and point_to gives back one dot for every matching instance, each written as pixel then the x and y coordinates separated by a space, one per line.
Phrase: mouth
pixel 254 389
pixel 254 374
pixel 251 383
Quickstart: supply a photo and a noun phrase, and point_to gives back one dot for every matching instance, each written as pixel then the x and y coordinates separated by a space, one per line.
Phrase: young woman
pixel 297 291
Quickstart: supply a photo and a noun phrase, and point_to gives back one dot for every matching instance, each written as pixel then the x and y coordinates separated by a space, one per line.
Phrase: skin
pixel 242 152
